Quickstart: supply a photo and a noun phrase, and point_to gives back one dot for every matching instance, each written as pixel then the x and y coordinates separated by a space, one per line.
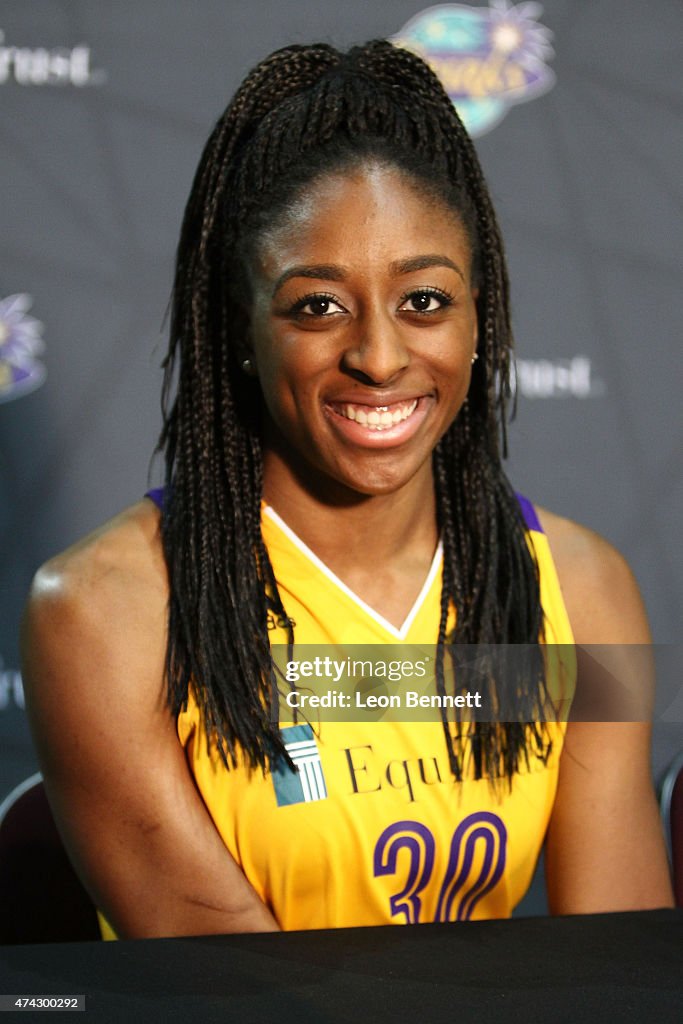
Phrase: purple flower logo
pixel 516 32
pixel 488 58
pixel 20 344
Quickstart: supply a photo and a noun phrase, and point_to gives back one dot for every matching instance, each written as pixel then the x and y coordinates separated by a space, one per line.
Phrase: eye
pixel 317 305
pixel 425 300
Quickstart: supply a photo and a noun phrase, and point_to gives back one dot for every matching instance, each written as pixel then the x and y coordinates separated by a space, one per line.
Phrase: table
pixel 610 967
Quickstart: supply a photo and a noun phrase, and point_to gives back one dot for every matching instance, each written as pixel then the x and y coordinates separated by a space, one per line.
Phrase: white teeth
pixel 379 418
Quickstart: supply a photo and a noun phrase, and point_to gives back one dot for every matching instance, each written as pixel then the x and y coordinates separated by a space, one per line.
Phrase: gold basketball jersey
pixel 370 827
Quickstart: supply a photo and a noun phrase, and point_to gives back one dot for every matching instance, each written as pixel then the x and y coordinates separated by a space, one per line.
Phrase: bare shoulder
pixel 121 558
pixel 599 589
pixel 126 550
pixel 108 591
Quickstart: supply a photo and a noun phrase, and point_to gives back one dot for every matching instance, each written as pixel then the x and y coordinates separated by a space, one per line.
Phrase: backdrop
pixel 105 109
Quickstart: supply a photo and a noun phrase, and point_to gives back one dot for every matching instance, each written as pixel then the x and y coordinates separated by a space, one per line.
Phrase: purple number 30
pixel 482 826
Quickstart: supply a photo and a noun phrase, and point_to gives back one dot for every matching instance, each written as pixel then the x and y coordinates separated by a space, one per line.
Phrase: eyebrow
pixel 423 263
pixel 332 272
pixel 321 271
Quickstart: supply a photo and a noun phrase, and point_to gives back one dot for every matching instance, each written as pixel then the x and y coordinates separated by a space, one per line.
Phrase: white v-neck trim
pixel 401 633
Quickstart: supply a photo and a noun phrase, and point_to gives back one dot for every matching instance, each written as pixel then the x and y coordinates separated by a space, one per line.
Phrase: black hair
pixel 303 112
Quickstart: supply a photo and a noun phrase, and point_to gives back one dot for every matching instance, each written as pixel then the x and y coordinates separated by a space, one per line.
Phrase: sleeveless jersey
pixel 371 828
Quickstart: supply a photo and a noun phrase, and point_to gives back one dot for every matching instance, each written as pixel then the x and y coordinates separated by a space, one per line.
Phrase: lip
pixel 364 436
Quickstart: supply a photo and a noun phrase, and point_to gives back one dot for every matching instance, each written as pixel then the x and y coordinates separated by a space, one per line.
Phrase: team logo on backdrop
pixel 11 688
pixel 557 378
pixel 36 65
pixel 21 344
pixel 306 782
pixel 488 58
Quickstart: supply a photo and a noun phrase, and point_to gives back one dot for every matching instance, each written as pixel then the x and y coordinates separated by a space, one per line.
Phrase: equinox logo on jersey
pixel 307 782
pixel 409 774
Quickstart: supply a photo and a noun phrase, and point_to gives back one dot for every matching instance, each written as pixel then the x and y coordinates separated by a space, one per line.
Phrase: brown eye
pixel 319 305
pixel 421 301
pixel 425 301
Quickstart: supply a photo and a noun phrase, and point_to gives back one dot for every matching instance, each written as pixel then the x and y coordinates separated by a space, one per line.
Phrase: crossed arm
pixel 125 802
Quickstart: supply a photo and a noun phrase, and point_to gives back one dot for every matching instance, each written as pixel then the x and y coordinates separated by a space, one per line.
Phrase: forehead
pixel 361 218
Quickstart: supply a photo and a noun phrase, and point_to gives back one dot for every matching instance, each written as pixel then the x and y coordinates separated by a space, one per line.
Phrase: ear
pixel 245 351
pixel 245 357
pixel 248 366
pixel 475 333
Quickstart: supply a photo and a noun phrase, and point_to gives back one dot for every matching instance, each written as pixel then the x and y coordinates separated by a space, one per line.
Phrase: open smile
pixel 377 417
pixel 377 426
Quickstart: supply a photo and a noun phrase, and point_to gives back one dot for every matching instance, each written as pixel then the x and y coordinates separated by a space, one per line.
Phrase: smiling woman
pixel 334 402
pixel 395 332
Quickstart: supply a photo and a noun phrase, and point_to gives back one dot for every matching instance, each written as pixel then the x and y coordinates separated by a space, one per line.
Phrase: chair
pixel 41 897
pixel 671 806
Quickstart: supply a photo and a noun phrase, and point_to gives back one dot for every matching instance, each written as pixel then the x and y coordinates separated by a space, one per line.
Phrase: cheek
pixel 288 384
pixel 452 359
pixel 289 362
pixel 453 376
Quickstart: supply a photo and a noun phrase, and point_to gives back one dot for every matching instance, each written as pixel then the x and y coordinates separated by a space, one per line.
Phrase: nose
pixel 377 354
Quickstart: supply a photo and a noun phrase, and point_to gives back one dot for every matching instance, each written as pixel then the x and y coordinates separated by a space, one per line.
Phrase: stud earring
pixel 248 367
pixel 475 357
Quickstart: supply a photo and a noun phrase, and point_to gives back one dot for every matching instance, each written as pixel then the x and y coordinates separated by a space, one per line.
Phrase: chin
pixel 381 481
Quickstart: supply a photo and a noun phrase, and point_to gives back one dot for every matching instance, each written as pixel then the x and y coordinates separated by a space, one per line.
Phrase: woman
pixel 341 344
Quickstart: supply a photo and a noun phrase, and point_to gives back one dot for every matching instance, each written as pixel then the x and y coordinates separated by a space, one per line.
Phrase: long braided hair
pixel 302 112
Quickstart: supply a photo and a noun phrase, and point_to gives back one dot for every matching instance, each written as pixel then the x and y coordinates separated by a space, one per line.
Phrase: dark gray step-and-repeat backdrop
pixel 105 108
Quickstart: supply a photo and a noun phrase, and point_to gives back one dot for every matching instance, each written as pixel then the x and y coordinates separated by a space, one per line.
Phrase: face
pixel 363 331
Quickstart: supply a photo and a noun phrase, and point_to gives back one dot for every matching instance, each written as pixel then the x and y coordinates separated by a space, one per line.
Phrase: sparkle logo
pixel 62 65
pixel 488 58
pixel 20 345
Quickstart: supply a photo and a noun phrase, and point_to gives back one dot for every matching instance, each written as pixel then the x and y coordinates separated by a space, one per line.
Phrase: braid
pixel 302 112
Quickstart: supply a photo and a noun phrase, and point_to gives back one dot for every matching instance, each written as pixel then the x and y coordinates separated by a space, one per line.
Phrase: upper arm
pixel 605 849
pixel 94 641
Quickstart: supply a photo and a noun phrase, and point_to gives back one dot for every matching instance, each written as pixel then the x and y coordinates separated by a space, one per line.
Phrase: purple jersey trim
pixel 157 496
pixel 528 511
pixel 529 514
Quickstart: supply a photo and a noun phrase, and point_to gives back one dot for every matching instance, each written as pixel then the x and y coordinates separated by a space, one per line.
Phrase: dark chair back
pixel 41 897
pixel 671 805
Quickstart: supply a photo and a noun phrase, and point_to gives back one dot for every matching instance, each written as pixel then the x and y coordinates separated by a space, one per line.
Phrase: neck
pixel 352 529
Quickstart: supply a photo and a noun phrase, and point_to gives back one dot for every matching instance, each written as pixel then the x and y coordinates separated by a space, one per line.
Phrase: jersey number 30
pixel 461 889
